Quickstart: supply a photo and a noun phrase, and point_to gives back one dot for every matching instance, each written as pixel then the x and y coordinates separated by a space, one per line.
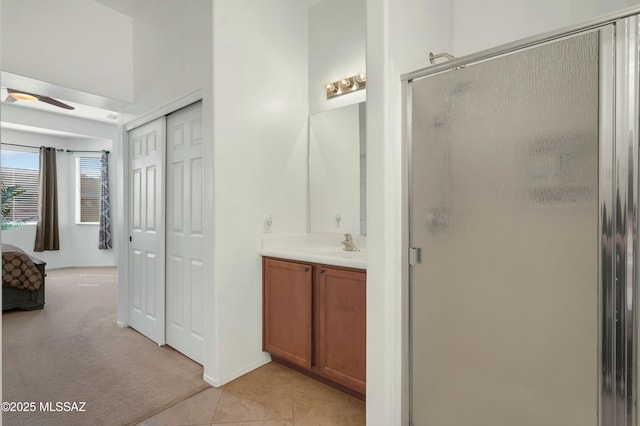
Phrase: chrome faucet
pixel 348 243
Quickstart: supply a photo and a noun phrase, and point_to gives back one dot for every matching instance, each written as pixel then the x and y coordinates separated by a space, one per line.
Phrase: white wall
pixel 490 23
pixel 400 34
pixel 78 243
pixel 172 51
pixel 260 137
pixel 71 43
pixel 336 50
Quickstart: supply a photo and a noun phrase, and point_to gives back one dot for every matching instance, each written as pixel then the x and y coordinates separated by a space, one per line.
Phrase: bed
pixel 22 280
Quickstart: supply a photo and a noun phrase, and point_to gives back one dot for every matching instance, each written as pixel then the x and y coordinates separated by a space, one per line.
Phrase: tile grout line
pixel 293 399
pixel 217 404
pixel 170 406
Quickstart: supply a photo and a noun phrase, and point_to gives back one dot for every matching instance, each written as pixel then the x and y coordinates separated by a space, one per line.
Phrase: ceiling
pixel 86 106
pixel 126 7
pixel 134 7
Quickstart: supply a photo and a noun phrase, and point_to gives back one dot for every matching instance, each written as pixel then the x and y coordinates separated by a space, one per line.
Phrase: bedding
pixel 18 270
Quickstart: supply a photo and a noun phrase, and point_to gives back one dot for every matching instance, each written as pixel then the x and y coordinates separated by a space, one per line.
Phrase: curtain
pixel 47 236
pixel 104 242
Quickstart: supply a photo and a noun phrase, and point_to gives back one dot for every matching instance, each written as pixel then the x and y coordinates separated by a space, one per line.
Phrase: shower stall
pixel 522 214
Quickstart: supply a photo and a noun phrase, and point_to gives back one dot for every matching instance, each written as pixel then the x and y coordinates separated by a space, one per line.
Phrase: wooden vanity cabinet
pixel 287 311
pixel 342 327
pixel 314 320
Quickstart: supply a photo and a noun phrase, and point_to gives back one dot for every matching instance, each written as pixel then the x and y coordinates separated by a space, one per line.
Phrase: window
pixel 88 189
pixel 21 168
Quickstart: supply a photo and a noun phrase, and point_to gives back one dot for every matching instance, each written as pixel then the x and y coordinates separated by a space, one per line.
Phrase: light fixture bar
pixel 346 85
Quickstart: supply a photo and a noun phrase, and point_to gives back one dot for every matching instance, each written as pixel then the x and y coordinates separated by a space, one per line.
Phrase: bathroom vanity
pixel 314 313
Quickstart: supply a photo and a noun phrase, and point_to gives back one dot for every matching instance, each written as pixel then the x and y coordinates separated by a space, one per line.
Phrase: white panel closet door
pixel 184 232
pixel 146 247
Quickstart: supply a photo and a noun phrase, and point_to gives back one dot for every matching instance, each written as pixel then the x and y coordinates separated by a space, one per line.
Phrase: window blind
pixel 21 168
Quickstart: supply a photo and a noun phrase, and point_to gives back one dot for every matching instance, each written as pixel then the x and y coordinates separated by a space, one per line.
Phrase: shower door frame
pixel 618 178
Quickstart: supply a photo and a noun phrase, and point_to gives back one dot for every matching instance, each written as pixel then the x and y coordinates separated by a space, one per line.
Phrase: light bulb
pixel 330 87
pixel 345 83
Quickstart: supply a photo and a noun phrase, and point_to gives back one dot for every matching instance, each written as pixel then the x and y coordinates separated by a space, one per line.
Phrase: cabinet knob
pixel 322 270
pixel 306 269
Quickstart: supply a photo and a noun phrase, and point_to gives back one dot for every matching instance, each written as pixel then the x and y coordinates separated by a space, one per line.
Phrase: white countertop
pixel 325 249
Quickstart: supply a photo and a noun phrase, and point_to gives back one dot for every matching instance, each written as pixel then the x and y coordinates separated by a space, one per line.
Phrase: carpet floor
pixel 72 351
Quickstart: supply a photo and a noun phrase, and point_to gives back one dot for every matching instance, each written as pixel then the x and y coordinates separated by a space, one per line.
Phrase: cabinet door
pixel 342 327
pixel 287 310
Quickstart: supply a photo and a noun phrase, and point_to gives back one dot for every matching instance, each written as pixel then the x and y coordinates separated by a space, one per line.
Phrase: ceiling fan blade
pixel 54 102
pixel 10 99
pixel 10 91
pixel 45 99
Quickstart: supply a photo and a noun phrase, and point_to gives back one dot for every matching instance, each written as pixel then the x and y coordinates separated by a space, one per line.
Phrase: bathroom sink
pixel 321 249
pixel 336 252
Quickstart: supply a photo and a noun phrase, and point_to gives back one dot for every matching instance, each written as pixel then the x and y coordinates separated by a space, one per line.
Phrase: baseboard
pixel 63 266
pixel 213 382
pixel 265 359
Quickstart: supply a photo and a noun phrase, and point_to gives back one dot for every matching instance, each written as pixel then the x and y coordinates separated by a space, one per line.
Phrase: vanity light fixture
pixel 346 85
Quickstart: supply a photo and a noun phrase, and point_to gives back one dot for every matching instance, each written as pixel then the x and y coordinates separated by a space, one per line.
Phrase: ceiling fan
pixel 18 95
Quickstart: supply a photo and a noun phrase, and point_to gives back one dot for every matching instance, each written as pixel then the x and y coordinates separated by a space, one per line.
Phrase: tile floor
pixel 271 395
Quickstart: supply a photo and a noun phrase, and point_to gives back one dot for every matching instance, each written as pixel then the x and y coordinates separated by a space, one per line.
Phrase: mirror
pixel 337 170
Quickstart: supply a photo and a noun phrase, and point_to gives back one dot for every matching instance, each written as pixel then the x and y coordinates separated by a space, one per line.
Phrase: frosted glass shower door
pixel 504 206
